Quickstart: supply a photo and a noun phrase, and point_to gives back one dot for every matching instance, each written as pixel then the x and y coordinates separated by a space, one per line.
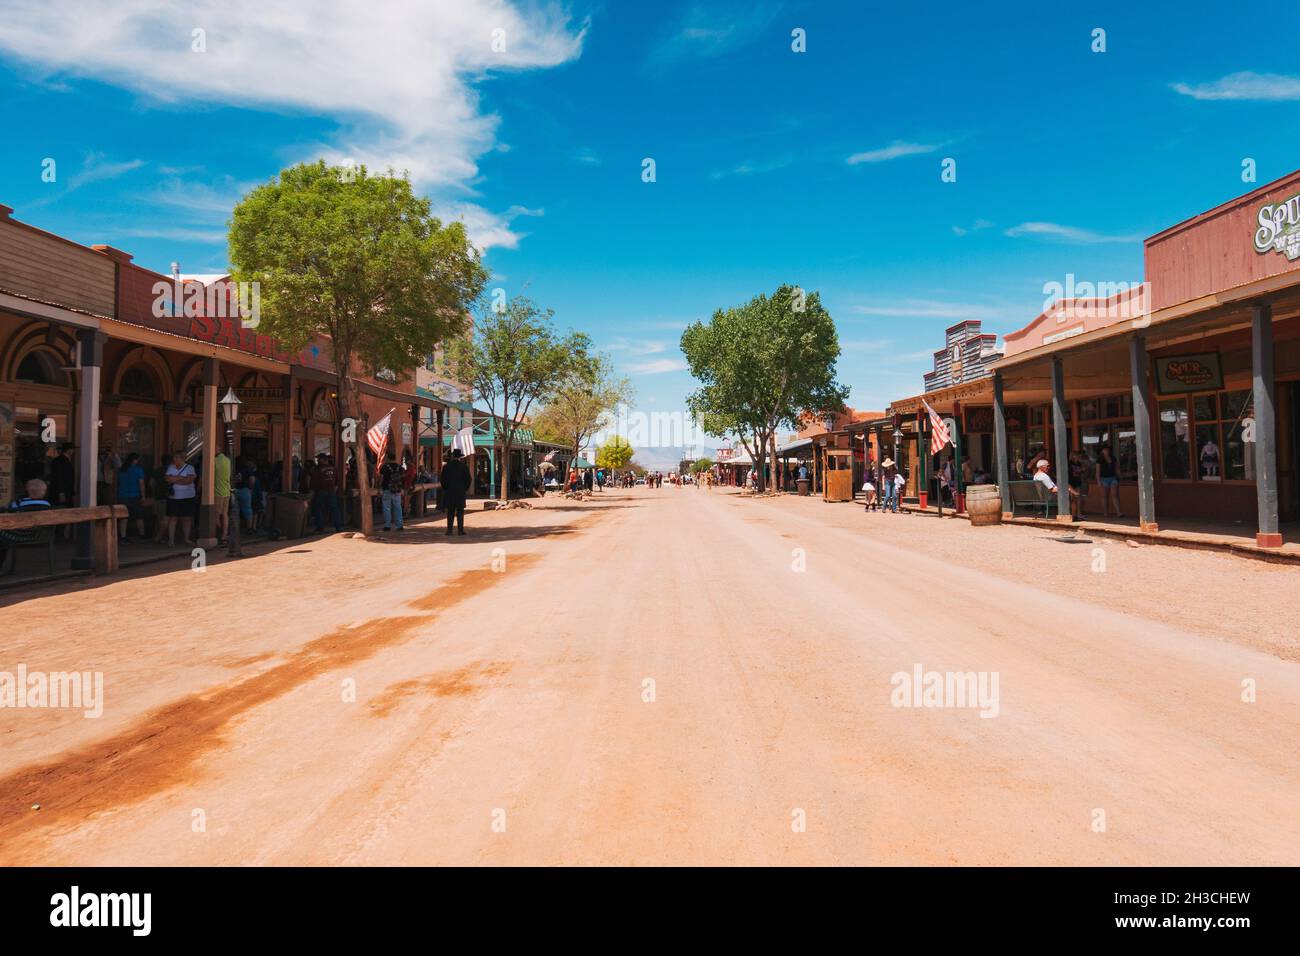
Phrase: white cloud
pixel 398 78
pixel 1055 230
pixel 588 157
pixel 926 308
pixel 706 31
pixel 1243 86
pixel 658 367
pixel 894 150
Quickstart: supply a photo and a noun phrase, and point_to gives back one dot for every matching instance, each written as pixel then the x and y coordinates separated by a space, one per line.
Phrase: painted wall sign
pixel 1188 373
pixel 1279 228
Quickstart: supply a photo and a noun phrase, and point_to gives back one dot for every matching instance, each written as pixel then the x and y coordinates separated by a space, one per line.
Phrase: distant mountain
pixel 668 457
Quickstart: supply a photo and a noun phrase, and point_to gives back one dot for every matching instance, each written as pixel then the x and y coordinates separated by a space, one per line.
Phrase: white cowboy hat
pixel 887 463
pixel 1042 463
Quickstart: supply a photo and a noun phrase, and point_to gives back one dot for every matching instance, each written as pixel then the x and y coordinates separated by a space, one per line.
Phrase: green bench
pixel 1033 498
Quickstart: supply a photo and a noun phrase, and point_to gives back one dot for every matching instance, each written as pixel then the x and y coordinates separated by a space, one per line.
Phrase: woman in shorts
pixel 181 500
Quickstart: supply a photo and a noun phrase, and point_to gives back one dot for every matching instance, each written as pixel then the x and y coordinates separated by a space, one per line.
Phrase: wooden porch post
pixel 1261 351
pixel 91 345
pixel 212 443
pixel 1142 433
pixel 1060 441
pixel 1000 443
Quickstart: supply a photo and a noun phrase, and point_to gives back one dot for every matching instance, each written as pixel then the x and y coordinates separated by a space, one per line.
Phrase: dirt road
pixel 669 676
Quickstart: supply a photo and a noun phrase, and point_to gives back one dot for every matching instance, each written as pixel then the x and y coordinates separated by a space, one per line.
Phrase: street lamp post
pixel 230 414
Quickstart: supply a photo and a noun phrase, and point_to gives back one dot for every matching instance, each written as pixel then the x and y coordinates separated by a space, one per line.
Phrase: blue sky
pixel 819 168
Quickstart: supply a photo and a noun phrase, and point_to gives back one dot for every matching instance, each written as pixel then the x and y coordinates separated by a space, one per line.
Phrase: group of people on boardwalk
pixel 883 486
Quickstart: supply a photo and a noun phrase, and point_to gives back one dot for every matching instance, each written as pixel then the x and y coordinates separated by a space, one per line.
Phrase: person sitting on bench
pixel 1043 478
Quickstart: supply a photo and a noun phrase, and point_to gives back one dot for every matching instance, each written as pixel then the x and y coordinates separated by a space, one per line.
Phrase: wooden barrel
pixel 984 504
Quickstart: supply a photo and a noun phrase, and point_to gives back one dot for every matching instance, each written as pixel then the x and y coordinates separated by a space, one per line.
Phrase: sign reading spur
pixel 1279 228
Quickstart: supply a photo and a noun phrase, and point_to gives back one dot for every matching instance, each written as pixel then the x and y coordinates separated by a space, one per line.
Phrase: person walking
pixel 869 486
pixel 390 488
pixel 130 492
pixel 455 483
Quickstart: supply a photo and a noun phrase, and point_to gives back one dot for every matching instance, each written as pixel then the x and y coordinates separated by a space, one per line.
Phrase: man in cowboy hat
pixel 455 481
pixel 887 474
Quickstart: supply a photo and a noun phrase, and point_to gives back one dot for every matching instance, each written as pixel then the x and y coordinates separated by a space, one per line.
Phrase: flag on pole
pixel 464 440
pixel 377 437
pixel 938 430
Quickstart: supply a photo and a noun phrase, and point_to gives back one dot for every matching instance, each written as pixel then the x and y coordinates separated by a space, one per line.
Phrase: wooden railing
pixel 104 530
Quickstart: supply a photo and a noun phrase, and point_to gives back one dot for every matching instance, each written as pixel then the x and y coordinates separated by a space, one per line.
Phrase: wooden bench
pixel 1032 497
pixel 15 526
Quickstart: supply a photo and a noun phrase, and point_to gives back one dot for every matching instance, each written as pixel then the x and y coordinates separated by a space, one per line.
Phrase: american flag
pixel 938 430
pixel 464 440
pixel 377 437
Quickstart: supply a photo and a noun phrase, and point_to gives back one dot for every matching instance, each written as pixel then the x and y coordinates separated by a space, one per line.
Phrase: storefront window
pixel 1237 456
pixel 1174 438
pixel 1088 411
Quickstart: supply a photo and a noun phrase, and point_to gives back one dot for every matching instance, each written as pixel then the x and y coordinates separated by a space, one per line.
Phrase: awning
pixel 804 444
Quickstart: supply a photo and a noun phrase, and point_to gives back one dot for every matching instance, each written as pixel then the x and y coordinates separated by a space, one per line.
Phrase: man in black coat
pixel 455 482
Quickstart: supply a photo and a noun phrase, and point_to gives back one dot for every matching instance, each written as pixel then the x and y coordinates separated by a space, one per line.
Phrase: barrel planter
pixel 984 504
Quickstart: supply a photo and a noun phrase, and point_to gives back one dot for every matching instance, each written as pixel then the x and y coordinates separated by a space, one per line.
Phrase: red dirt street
pixel 667 676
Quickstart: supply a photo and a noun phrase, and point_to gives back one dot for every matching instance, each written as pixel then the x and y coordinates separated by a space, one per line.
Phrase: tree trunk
pixel 505 466
pixel 367 521
pixel 776 480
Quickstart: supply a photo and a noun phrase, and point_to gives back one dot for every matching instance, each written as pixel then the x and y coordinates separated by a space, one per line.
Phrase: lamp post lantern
pixel 230 414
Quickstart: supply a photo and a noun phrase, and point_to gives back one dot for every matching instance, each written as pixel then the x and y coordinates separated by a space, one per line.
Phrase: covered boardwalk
pixel 1193 386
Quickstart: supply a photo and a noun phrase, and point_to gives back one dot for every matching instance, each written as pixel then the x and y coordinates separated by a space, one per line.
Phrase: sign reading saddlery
pixel 1279 228
pixel 1188 373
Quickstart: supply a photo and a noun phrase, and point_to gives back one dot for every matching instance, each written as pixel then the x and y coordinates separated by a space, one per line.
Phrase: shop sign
pixel 252 399
pixel 1279 228
pixel 1188 373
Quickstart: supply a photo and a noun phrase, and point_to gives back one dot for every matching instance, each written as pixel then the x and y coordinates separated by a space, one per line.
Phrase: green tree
pixel 582 403
pixel 761 364
pixel 514 358
pixel 616 453
pixel 701 465
pixel 361 260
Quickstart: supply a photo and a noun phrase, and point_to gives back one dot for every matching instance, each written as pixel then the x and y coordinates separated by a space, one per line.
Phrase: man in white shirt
pixel 1043 478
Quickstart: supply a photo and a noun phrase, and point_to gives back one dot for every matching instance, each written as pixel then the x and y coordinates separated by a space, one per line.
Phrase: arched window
pixel 138 383
pixel 38 368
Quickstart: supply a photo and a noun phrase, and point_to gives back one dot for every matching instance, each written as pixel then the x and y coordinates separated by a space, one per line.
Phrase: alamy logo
pixel 77 690
pixel 946 689
pixel 74 908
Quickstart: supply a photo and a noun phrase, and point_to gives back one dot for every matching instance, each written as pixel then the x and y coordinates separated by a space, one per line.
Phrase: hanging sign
pixel 1188 373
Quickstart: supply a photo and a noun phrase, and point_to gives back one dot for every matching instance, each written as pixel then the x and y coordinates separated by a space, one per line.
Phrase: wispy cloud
pixel 588 157
pixel 658 366
pixel 895 150
pixel 97 168
pixel 1243 86
pixel 1054 230
pixel 399 80
pixel 926 309
pixel 750 168
pixel 976 226
pixel 709 31
pixel 178 234
pixel 639 346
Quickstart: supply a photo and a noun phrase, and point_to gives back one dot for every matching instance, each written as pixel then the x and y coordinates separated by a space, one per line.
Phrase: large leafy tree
pixel 582 403
pixel 514 358
pixel 761 364
pixel 361 260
